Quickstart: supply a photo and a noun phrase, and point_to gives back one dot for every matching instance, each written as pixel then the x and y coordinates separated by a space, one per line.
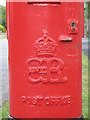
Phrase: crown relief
pixel 45 45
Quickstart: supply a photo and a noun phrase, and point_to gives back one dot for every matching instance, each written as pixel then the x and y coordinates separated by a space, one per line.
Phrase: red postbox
pixel 45 54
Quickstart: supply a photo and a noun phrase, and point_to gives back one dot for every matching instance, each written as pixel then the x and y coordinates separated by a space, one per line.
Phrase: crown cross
pixel 45 45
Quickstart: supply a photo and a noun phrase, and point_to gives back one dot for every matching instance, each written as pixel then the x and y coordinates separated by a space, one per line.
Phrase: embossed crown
pixel 45 46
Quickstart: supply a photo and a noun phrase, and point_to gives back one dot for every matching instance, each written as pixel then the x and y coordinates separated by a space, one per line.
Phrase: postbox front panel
pixel 45 59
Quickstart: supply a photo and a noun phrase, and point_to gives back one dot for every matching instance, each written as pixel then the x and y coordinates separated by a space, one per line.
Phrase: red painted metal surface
pixel 45 50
